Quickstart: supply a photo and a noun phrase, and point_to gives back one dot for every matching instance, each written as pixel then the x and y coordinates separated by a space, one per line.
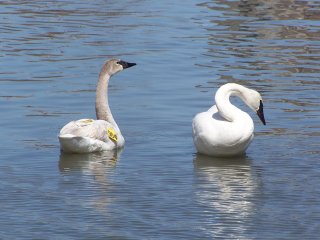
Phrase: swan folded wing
pixel 211 129
pixel 95 129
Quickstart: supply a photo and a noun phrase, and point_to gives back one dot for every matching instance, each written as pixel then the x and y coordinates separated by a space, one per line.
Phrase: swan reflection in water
pixel 95 163
pixel 93 169
pixel 226 189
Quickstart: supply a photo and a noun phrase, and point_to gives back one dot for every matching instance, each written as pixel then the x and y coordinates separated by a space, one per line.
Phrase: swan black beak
pixel 126 64
pixel 260 113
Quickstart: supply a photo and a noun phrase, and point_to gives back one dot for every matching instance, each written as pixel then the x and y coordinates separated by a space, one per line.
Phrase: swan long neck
pixel 222 98
pixel 103 111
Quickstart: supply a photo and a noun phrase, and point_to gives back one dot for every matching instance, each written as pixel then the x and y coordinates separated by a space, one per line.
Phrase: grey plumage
pixel 95 129
pixel 103 134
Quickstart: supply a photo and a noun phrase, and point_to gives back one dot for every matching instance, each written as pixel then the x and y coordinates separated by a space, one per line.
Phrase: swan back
pixel 88 135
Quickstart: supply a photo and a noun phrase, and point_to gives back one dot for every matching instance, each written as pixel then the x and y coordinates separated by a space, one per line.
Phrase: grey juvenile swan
pixel 103 134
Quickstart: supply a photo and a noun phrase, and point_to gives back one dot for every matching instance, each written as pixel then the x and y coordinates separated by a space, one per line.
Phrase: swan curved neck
pixel 222 99
pixel 103 111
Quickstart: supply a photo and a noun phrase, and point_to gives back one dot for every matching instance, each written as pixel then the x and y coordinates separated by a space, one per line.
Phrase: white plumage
pixel 225 130
pixel 88 135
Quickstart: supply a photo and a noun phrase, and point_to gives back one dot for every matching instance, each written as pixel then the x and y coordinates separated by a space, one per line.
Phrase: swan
pixel 103 134
pixel 225 130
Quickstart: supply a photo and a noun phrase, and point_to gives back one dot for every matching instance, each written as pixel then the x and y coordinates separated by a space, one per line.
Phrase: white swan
pixel 103 134
pixel 225 130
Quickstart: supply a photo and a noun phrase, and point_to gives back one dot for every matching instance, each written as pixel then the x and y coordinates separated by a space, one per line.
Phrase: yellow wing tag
pixel 87 121
pixel 112 134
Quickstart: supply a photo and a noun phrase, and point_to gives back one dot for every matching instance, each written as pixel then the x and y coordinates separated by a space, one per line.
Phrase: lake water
pixel 158 187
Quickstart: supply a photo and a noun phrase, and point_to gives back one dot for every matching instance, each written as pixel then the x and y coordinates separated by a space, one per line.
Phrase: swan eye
pixel 122 63
pixel 261 104
pixel 125 64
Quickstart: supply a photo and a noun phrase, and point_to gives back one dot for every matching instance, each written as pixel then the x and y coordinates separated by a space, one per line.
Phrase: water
pixel 158 187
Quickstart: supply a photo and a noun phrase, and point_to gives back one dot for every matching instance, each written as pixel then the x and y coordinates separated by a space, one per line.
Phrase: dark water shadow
pixel 203 161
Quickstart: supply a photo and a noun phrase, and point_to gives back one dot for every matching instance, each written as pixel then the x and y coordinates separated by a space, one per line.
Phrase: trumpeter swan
pixel 89 135
pixel 225 130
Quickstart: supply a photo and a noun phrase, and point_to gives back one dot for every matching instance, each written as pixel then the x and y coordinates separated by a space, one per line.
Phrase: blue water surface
pixel 158 187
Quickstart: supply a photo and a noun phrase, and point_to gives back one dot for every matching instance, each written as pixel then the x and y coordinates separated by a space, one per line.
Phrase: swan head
pixel 254 100
pixel 260 113
pixel 114 66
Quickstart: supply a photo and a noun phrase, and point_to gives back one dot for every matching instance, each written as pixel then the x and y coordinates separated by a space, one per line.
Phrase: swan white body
pixel 103 134
pixel 88 135
pixel 225 130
